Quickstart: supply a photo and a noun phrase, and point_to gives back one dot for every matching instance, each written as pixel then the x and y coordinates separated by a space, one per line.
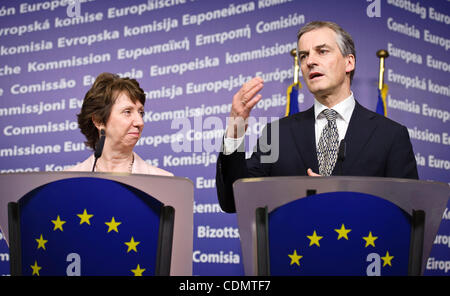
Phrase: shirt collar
pixel 344 108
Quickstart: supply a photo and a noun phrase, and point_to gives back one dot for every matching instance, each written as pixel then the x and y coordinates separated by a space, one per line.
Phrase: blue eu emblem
pixel 339 233
pixel 89 226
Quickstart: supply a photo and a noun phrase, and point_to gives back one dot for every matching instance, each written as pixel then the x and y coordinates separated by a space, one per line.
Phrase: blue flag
pixel 381 104
pixel 292 99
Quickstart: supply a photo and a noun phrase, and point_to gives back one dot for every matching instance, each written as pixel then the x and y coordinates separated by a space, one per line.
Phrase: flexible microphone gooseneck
pixel 99 148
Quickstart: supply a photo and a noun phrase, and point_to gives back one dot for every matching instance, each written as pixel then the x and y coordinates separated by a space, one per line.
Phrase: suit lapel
pixel 302 129
pixel 360 130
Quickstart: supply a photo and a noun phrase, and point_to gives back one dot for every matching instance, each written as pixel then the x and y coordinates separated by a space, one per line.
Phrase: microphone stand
pixel 99 148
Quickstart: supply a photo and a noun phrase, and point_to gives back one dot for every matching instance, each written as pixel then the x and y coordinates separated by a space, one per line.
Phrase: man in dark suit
pixel 336 136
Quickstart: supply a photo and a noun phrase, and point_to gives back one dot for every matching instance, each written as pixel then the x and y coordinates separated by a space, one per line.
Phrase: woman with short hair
pixel 114 108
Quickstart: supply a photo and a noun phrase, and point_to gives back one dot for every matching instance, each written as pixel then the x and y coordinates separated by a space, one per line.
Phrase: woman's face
pixel 125 124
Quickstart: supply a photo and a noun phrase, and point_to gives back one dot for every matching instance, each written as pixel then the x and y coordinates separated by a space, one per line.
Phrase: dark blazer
pixel 374 146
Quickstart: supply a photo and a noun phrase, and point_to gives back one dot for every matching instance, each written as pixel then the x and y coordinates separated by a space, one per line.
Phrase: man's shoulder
pixel 381 120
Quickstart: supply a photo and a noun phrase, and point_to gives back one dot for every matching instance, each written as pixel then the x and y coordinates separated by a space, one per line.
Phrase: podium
pixel 257 198
pixel 125 217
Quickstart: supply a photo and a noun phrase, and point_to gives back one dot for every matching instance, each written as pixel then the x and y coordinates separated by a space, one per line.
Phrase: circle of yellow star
pixel 295 258
pixel 35 268
pixel 132 245
pixel 387 259
pixel 314 239
pixel 342 232
pixel 138 271
pixel 113 225
pixel 58 223
pixel 84 218
pixel 370 240
pixel 41 242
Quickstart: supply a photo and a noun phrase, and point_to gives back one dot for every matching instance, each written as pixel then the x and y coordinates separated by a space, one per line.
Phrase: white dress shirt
pixel 344 110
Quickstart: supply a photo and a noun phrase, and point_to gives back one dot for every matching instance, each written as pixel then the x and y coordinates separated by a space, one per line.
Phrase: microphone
pixel 341 157
pixel 99 148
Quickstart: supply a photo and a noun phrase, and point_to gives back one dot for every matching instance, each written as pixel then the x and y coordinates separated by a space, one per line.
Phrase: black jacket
pixel 374 146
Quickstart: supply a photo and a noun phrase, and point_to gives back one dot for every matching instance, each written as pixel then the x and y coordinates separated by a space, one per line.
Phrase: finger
pixel 253 87
pixel 312 174
pixel 251 93
pixel 250 104
pixel 250 85
pixel 252 82
pixel 245 96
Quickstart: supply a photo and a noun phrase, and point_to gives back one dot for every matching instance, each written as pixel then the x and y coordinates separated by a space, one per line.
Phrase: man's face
pixel 323 67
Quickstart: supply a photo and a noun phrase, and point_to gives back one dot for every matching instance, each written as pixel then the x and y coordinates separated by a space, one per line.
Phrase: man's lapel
pixel 302 129
pixel 360 130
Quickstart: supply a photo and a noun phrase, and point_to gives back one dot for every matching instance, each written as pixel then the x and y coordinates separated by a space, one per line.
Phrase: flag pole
pixel 292 90
pixel 382 54
pixel 296 65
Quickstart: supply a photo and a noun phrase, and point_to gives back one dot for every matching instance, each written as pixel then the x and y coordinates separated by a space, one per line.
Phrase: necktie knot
pixel 330 114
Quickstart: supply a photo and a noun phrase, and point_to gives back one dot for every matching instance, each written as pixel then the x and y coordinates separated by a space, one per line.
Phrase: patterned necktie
pixel 328 144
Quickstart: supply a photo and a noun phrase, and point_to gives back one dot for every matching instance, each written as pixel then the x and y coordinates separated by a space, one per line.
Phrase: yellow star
pixel 58 223
pixel 370 240
pixel 387 259
pixel 41 242
pixel 314 239
pixel 342 232
pixel 295 258
pixel 35 268
pixel 84 218
pixel 113 225
pixel 132 245
pixel 138 271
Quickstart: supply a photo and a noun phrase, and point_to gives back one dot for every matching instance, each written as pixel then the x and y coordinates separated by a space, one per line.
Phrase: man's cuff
pixel 230 145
